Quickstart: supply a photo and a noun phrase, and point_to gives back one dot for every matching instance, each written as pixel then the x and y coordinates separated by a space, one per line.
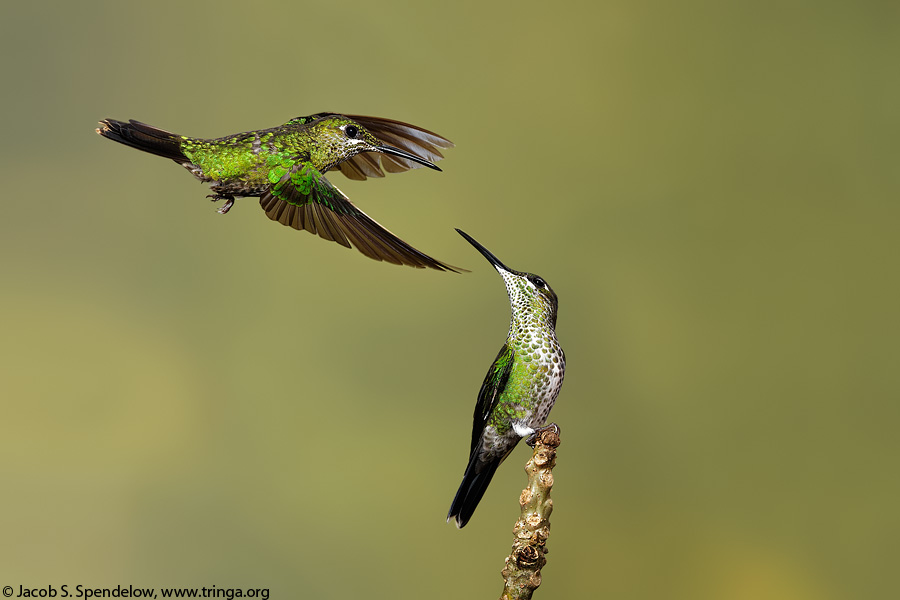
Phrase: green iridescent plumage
pixel 519 389
pixel 284 167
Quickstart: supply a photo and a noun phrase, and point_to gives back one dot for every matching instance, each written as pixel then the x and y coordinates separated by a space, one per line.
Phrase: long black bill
pixel 487 253
pixel 404 154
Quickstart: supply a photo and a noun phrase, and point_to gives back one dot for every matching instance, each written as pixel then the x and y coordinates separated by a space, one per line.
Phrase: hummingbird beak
pixel 487 253
pixel 403 154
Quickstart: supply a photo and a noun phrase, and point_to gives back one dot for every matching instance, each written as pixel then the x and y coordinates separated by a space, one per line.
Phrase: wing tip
pixel 350 226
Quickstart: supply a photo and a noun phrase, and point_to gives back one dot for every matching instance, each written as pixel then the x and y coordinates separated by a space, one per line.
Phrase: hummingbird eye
pixel 538 282
pixel 351 131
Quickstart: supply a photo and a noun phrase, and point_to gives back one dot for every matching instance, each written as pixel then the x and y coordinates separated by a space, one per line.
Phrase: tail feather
pixel 474 484
pixel 143 137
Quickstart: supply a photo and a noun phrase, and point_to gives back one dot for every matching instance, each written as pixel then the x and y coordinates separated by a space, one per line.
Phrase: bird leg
pixel 229 202
pixel 532 439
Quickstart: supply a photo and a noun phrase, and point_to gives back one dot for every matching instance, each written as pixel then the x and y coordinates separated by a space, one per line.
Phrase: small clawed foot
pixel 229 202
pixel 531 440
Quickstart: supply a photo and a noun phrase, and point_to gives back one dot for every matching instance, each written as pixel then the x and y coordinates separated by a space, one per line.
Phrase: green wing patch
pixel 302 197
pixel 494 383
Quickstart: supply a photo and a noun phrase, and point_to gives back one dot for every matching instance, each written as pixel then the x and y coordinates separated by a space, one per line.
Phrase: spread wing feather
pixel 305 200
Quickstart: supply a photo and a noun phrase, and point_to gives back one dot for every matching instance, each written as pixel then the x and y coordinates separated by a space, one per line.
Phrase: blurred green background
pixel 710 187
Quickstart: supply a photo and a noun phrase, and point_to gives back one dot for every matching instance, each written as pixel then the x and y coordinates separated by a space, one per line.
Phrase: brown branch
pixel 523 566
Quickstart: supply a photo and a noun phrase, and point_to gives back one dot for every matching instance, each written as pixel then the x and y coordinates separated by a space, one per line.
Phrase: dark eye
pixel 351 131
pixel 538 281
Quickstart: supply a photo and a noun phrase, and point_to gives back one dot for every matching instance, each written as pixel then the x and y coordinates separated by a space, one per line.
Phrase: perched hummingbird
pixel 284 167
pixel 520 387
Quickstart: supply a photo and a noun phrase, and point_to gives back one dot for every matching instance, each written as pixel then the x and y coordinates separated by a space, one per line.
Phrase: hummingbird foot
pixel 532 439
pixel 229 202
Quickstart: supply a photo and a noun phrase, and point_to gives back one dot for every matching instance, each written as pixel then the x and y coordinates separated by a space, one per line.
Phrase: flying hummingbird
pixel 284 166
pixel 520 387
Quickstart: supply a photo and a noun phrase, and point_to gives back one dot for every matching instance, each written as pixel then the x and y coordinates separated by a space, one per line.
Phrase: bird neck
pixel 531 328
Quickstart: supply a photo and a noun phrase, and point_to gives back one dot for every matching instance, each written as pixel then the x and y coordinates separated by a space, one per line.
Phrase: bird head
pixel 529 294
pixel 338 138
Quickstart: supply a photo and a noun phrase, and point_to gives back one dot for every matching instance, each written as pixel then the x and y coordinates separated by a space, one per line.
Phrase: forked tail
pixel 143 137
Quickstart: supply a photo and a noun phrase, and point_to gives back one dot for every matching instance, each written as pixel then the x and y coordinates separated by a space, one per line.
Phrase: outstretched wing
pixel 415 140
pixel 302 198
pixel 494 383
